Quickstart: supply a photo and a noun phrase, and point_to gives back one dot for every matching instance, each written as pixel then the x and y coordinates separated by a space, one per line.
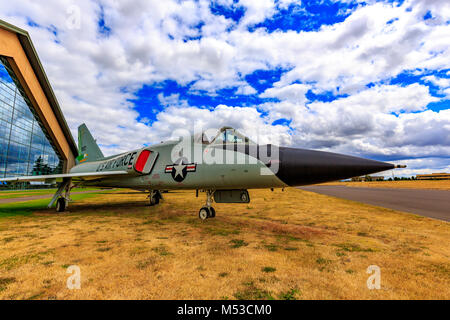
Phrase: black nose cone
pixel 301 166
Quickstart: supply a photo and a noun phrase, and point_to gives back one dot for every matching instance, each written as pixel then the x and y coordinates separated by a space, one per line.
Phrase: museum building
pixel 34 136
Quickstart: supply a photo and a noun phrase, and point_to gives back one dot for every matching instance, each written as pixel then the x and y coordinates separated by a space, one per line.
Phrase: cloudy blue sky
pixel 368 78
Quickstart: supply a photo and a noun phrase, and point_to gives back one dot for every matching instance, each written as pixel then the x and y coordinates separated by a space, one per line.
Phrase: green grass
pixel 323 261
pixel 26 194
pixel 145 263
pixel 271 247
pixel 237 243
pixel 28 207
pixel 4 282
pixel 268 269
pixel 162 251
pixel 353 247
pixel 17 261
pixel 8 239
pixel 35 296
pixel 291 294
pixel 252 292
pixel 350 271
pixel 14 194
pixel 49 190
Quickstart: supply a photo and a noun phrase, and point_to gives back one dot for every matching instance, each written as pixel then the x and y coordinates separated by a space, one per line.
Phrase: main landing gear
pixel 155 196
pixel 207 211
pixel 62 202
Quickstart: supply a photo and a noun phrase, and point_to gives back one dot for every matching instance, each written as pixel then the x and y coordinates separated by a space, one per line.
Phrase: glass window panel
pixel 16 168
pixel 30 169
pixel 48 149
pixel 3 145
pixel 35 154
pixel 37 142
pixel 45 158
pixel 37 129
pixel 12 168
pixel 5 101
pixel 5 129
pixel 13 151
pixel 20 135
pixel 53 160
pixel 17 151
pixel 6 106
pixel 23 125
pixel 3 153
pixel 2 163
pixel 40 165
pixel 4 75
pixel 20 102
pixel 5 115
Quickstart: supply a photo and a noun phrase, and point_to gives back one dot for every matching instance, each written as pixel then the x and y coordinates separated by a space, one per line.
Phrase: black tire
pixel 154 200
pixel 204 213
pixel 61 205
pixel 212 213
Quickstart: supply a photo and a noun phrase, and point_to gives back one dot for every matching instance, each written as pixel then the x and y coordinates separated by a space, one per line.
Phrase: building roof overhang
pixel 35 62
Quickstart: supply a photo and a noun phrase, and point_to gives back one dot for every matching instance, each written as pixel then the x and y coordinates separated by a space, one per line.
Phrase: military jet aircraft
pixel 223 167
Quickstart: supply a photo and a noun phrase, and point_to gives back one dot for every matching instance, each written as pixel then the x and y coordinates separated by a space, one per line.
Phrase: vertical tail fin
pixel 88 149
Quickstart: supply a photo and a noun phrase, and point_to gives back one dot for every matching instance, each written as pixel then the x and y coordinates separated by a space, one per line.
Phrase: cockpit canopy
pixel 226 135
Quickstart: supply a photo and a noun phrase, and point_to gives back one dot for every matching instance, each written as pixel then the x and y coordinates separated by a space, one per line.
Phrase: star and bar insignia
pixel 180 170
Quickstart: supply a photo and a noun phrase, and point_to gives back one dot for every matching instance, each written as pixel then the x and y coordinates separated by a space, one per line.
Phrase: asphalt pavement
pixel 425 202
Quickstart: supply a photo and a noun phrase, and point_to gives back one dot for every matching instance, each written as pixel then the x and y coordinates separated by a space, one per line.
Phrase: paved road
pixel 45 196
pixel 429 203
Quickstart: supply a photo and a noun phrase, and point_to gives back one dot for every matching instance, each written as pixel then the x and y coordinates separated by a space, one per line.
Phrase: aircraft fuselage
pixel 236 168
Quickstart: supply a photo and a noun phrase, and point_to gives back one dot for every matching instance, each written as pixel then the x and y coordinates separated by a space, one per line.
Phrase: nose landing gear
pixel 207 211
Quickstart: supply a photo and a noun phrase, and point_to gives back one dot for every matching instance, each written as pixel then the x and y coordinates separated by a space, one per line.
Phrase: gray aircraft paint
pixel 206 176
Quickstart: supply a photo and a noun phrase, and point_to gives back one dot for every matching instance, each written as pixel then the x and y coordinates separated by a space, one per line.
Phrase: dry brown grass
pixel 407 184
pixel 283 245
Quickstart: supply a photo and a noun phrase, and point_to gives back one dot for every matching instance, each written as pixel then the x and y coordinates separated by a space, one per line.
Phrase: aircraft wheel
pixel 212 212
pixel 61 205
pixel 204 213
pixel 154 201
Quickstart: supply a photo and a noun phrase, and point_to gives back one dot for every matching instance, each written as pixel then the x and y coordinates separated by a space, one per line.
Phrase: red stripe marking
pixel 142 160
